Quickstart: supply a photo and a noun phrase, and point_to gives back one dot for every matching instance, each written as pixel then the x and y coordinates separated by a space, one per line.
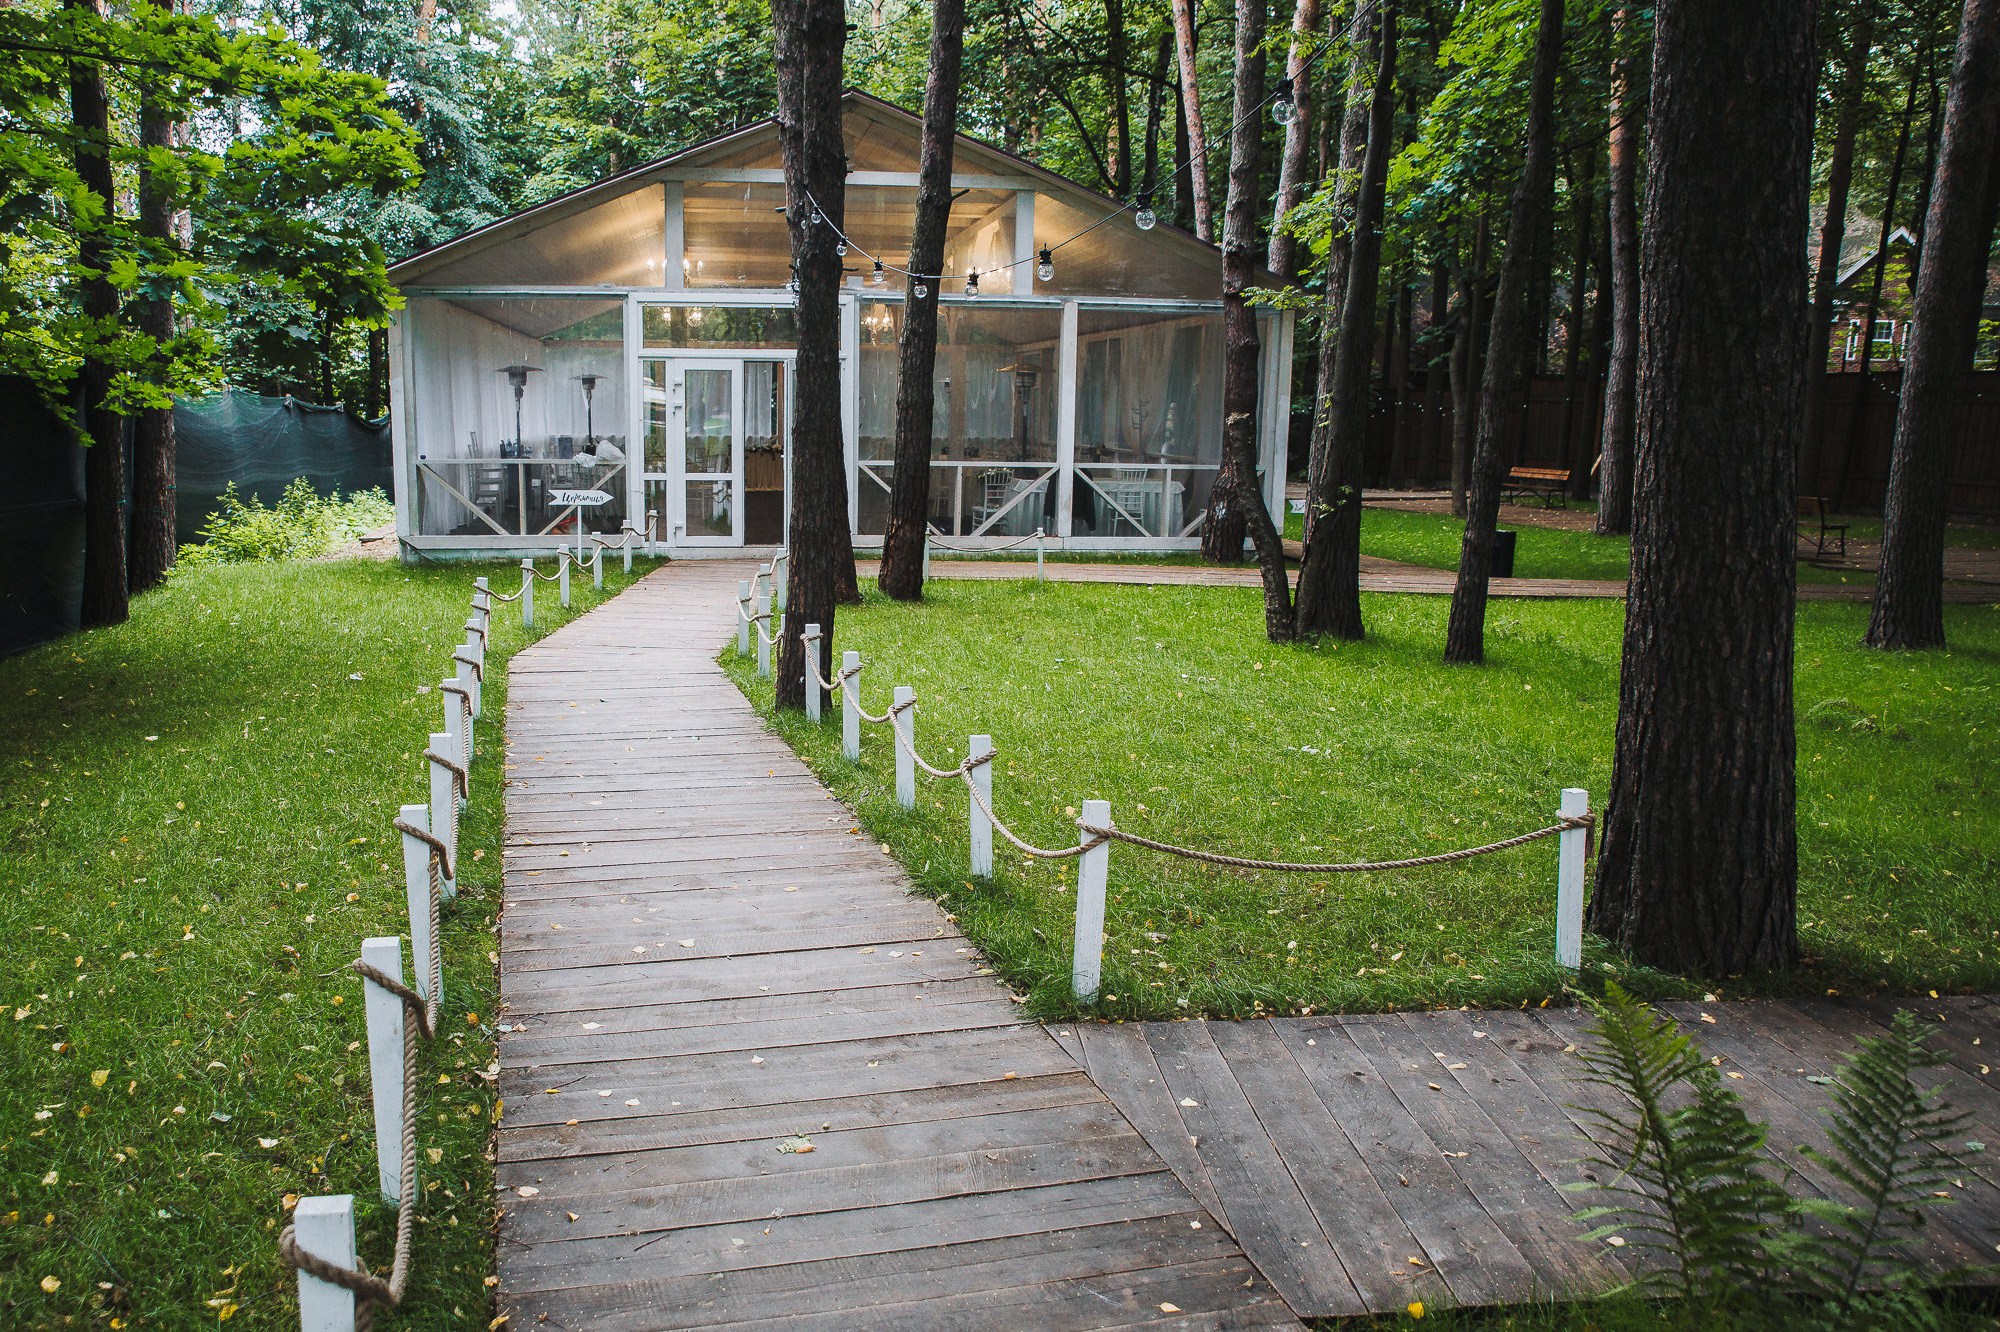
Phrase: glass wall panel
pixel 619 241
pixel 735 235
pixel 1148 421
pixel 719 326
pixel 1118 259
pixel 511 401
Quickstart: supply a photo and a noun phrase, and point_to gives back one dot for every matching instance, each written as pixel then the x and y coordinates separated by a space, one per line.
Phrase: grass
pixel 1168 702
pixel 1957 1311
pixel 195 817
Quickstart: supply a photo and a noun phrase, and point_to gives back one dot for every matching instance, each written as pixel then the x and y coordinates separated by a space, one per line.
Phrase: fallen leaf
pixel 1168 1306
pixel 98 1076
pixel 527 1190
pixel 51 1285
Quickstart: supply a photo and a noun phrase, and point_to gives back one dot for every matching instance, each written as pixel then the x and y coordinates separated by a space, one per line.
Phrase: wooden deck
pixel 751 1079
pixel 1394 1157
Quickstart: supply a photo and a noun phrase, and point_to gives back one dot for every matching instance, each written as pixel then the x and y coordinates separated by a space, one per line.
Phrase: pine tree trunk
pixel 1184 170
pixel 1951 281
pixel 1283 256
pixel 105 596
pixel 1575 333
pixel 1330 572
pixel 151 556
pixel 376 404
pixel 1467 367
pixel 1434 375
pixel 1509 350
pixel 1155 91
pixel 1864 399
pixel 1617 442
pixel 810 41
pixel 1117 56
pixel 1197 154
pixel 1396 351
pixel 902 575
pixel 1698 871
pixel 1361 66
pixel 1223 533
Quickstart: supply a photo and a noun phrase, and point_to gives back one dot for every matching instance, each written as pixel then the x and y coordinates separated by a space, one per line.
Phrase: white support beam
pixel 1066 419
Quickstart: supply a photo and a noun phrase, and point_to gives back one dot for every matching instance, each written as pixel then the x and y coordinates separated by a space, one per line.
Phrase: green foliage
pixel 1698 1190
pixel 302 525
pixel 1686 1162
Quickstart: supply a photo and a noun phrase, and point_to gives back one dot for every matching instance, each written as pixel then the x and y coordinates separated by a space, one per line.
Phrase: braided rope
pixel 962 770
pixel 1568 823
pixel 459 689
pixel 460 778
pixel 440 853
pixel 478 666
pixel 772 639
pixel 549 578
pixel 503 596
pixel 1036 535
pixel 853 696
pixel 1026 848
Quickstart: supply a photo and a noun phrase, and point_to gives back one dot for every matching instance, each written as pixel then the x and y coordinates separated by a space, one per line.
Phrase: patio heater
pixel 1025 376
pixel 517 376
pixel 590 383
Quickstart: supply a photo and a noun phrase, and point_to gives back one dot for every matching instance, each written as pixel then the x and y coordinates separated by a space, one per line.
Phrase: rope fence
pixel 337 1291
pixel 1096 831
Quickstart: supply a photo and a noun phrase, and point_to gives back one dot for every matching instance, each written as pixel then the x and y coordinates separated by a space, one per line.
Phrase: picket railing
pixel 1096 831
pixel 337 1293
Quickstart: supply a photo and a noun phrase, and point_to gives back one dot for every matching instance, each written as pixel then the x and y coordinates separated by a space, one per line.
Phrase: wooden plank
pixel 1120 1061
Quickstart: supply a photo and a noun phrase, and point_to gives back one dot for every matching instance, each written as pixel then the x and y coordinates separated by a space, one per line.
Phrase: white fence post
pixel 324 1228
pixel 1041 574
pixel 927 555
pixel 469 680
pixel 778 579
pixel 457 725
pixel 1087 966
pixel 417 893
pixel 597 567
pixel 562 576
pixel 482 595
pixel 904 720
pixel 1571 843
pixel 981 777
pixel 809 650
pixel 385 1061
pixel 527 594
pixel 625 545
pixel 850 706
pixel 444 807
pixel 742 617
pixel 764 629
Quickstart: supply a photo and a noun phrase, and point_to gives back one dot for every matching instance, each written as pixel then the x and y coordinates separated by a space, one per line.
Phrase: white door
pixel 705 437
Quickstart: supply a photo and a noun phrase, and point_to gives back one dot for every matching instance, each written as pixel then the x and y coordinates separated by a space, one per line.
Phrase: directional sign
pixel 581 499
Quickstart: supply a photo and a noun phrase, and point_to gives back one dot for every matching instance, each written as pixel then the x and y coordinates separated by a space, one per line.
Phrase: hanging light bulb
pixel 920 289
pixel 972 283
pixel 840 246
pixel 814 219
pixel 878 277
pixel 1045 265
pixel 1283 108
pixel 1145 217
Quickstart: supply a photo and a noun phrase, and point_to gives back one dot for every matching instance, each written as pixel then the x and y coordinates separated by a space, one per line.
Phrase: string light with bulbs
pixel 1284 110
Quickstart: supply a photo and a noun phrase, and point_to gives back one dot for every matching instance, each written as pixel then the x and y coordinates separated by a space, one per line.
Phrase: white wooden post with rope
pixel 809 650
pixel 762 625
pixel 324 1227
pixel 980 794
pixel 444 804
pixel 417 893
pixel 903 716
pixel 850 706
pixel 1572 845
pixel 457 725
pixel 742 617
pixel 385 1060
pixel 527 594
pixel 1087 956
pixel 562 576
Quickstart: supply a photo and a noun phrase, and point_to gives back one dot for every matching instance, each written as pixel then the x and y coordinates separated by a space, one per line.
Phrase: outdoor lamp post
pixel 589 382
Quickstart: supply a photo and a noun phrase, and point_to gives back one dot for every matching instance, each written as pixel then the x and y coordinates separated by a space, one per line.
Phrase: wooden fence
pixel 1557 423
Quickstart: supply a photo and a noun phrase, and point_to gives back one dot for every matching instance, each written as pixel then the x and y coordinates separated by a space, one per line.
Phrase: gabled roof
pixel 970 157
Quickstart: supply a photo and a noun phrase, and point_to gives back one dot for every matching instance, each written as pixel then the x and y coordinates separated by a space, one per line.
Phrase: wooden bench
pixel 1551 484
pixel 1814 527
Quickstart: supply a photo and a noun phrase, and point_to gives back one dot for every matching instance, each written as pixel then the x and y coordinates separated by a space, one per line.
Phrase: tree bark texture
pixel 1223 533
pixel 1951 281
pixel 1283 255
pixel 1575 328
pixel 105 596
pixel 1117 55
pixel 810 42
pixel 1698 872
pixel 1833 235
pixel 1467 367
pixel 1362 60
pixel 902 575
pixel 151 556
pixel 1155 89
pixel 1330 571
pixel 1509 352
pixel 1616 442
pixel 1197 154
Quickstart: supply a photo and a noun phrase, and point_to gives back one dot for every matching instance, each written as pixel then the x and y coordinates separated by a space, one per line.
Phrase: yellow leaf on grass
pixel 51 1285
pixel 98 1076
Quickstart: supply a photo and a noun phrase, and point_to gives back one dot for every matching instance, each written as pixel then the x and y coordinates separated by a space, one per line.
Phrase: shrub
pixel 301 526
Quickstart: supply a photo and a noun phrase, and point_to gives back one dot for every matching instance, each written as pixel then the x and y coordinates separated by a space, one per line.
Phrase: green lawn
pixel 195 822
pixel 1168 702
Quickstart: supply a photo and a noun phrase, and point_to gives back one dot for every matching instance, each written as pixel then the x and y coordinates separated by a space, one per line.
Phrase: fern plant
pixel 1697 1189
pixel 1686 1163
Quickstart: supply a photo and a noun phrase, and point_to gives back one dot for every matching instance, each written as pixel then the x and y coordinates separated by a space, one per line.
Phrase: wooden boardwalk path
pixel 1393 1157
pixel 705 973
